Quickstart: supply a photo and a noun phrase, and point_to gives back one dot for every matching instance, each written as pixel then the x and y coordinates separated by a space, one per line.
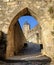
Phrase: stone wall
pixel 39 10
pixel 15 40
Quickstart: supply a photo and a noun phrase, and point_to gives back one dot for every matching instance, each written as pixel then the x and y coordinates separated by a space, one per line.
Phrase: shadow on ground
pixel 31 48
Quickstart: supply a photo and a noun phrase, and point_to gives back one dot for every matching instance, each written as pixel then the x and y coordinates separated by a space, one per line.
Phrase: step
pixel 41 60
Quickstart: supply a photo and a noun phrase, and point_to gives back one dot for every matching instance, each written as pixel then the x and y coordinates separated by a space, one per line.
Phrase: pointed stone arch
pixel 14 35
pixel 38 9
pixel 13 22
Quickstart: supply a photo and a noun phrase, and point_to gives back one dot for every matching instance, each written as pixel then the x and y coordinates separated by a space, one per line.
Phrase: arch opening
pixel 15 37
pixel 32 33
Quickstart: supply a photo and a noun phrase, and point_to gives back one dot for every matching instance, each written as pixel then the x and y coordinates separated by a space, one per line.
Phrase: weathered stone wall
pixel 15 40
pixel 39 10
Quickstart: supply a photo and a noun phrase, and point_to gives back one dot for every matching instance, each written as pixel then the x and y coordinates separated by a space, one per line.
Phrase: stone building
pixel 42 11
pixel 32 35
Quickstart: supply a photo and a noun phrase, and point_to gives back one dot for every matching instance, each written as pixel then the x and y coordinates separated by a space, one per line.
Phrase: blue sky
pixel 31 20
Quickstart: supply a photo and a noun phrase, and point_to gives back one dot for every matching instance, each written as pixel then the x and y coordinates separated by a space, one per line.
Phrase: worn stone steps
pixel 41 60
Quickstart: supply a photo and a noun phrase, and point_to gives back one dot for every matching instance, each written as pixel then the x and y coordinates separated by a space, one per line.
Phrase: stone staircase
pixel 41 60
pixel 25 63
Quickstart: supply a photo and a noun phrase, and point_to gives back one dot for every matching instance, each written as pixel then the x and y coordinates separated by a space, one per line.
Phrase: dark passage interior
pixel 2 45
pixel 31 47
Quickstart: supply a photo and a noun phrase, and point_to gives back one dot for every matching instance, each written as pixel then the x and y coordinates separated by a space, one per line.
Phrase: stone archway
pixel 15 35
pixel 13 22
pixel 38 9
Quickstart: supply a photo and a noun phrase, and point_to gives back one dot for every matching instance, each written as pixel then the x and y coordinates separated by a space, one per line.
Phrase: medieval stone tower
pixel 32 35
pixel 42 10
pixel 26 28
